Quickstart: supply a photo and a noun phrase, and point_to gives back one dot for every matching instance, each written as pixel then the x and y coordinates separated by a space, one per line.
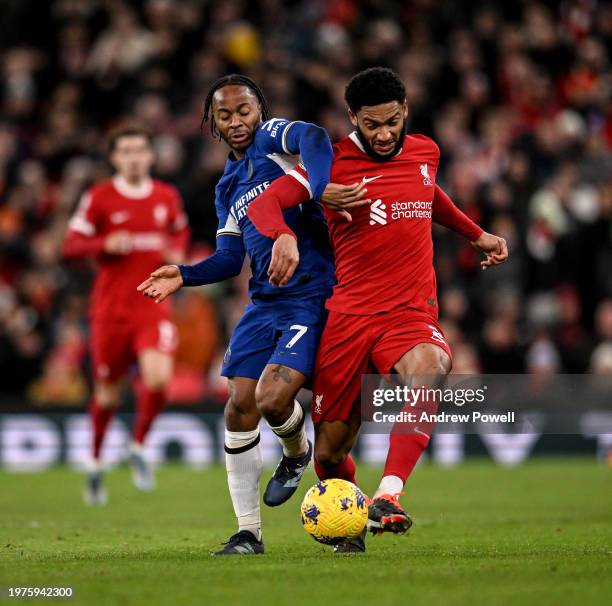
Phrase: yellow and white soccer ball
pixel 334 511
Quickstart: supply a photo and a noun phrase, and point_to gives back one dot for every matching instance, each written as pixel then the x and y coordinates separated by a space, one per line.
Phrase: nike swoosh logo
pixel 119 217
pixel 366 180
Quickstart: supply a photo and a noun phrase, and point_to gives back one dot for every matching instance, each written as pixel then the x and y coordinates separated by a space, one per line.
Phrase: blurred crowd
pixel 518 95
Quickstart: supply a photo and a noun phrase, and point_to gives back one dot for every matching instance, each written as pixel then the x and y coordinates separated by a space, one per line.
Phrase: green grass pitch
pixel 537 534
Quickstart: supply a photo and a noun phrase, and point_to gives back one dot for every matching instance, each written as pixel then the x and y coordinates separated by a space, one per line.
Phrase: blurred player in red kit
pixel 129 224
pixel 383 314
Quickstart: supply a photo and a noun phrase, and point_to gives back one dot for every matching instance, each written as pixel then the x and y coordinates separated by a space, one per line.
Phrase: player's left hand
pixel 494 248
pixel 342 198
pixel 285 259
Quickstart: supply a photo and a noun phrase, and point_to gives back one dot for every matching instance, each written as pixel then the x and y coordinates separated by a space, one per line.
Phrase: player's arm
pixel 312 143
pixel 266 211
pixel 446 213
pixel 225 263
pixel 82 239
pixel 79 246
pixel 180 233
pixel 266 214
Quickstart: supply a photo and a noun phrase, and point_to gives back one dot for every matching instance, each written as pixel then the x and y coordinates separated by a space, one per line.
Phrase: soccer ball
pixel 334 511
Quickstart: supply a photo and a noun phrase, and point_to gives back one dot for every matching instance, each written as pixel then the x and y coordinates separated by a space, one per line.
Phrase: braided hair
pixel 232 79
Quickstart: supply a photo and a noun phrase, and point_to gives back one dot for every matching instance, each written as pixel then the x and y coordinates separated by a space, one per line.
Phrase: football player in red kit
pixel 383 313
pixel 129 224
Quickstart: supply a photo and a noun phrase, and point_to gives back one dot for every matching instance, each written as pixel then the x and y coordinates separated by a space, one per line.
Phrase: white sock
pixel 135 448
pixel 244 465
pixel 292 433
pixel 389 485
pixel 93 465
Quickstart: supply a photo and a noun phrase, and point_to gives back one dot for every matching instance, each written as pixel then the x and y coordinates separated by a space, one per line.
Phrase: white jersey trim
pixel 301 179
pixel 355 139
pixel 286 162
pixel 284 137
pixel 82 226
pixel 231 228
pixel 78 222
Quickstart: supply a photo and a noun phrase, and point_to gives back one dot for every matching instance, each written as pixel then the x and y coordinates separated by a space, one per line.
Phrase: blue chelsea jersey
pixel 266 159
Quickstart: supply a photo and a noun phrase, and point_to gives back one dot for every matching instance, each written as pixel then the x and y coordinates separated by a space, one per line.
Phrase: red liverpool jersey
pixel 154 218
pixel 384 256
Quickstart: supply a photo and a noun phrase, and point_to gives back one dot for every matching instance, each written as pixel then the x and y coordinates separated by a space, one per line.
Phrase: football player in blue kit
pixel 272 350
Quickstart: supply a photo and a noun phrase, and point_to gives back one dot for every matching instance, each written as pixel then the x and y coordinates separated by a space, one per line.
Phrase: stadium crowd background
pixel 518 96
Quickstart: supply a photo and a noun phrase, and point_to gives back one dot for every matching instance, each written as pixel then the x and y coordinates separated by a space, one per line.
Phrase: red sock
pixel 404 452
pixel 149 405
pixel 344 471
pixel 100 419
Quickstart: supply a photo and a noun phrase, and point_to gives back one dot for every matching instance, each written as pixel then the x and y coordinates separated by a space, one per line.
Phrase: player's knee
pixel 425 360
pixel 239 403
pixel 443 364
pixel 155 381
pixel 437 367
pixel 107 397
pixel 155 370
pixel 270 401
pixel 326 457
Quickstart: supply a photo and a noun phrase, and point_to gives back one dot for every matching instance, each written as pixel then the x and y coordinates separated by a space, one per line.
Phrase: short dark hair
pixel 229 80
pixel 128 129
pixel 374 86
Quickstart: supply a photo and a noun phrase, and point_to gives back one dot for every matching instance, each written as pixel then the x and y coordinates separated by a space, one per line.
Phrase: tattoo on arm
pixel 281 373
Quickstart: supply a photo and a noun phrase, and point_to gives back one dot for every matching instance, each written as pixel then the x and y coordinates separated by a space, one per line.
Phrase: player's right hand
pixel 343 197
pixel 285 259
pixel 118 243
pixel 161 283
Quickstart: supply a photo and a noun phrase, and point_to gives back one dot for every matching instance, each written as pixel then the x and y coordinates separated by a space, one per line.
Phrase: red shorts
pixel 352 346
pixel 116 345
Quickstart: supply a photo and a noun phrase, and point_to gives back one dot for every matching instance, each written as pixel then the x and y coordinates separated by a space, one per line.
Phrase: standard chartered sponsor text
pixel 416 209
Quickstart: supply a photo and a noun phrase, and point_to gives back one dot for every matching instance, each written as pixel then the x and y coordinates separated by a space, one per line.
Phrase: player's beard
pixel 370 150
pixel 243 147
pixel 246 144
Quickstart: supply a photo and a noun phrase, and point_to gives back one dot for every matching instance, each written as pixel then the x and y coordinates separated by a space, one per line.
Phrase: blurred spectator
pixel 601 359
pixel 123 47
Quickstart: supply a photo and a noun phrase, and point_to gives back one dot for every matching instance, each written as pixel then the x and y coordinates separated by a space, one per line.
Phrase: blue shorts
pixel 276 332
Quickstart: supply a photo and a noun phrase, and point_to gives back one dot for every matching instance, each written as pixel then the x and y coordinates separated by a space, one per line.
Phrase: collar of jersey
pixel 232 158
pixel 136 192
